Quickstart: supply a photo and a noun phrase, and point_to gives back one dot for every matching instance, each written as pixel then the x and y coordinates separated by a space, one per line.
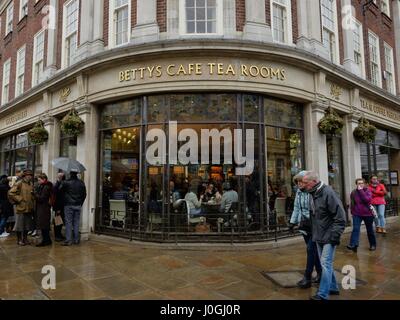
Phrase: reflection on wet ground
pixel 101 270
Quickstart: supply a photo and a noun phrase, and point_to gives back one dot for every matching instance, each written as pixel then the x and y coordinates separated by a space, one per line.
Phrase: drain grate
pixel 289 279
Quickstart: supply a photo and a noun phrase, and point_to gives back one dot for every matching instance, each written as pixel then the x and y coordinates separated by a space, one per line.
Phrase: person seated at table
pixel 228 198
pixel 210 192
pixel 120 193
pixel 192 201
pixel 174 192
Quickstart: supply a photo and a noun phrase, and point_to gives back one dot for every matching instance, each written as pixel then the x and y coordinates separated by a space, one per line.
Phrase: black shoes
pixel 354 249
pixel 304 283
pixel 316 297
pixel 67 243
pixel 44 244
pixel 372 248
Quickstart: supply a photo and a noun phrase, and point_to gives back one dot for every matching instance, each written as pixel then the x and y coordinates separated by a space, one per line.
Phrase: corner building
pixel 131 66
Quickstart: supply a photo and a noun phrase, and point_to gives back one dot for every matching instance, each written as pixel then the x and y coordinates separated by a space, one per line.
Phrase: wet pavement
pixel 107 269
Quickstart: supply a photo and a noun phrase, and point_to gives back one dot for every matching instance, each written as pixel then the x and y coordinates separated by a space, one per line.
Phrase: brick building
pixel 128 66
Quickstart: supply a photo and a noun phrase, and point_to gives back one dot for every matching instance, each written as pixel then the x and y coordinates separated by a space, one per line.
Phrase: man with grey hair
pixel 328 223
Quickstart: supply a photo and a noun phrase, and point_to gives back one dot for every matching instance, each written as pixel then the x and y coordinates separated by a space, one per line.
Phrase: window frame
pixel 378 54
pixel 64 51
pixel 9 18
pixel 334 33
pixel 392 71
pixel 6 82
pixel 219 28
pixel 111 27
pixel 22 14
pixel 288 22
pixel 35 62
pixel 359 25
pixel 22 74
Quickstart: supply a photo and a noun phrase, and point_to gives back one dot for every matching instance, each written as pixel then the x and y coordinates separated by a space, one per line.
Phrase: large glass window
pixel 201 135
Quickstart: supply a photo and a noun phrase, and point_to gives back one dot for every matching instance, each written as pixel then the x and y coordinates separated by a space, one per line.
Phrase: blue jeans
pixel 328 282
pixel 312 258
pixel 3 222
pixel 72 220
pixel 355 234
pixel 380 221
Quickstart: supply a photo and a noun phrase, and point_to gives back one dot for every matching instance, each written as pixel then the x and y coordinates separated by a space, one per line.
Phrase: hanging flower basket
pixel 38 134
pixel 72 124
pixel 364 132
pixel 331 123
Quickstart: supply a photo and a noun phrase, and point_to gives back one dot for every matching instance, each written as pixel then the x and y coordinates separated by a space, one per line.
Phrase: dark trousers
pixel 46 236
pixel 3 222
pixel 312 257
pixel 355 234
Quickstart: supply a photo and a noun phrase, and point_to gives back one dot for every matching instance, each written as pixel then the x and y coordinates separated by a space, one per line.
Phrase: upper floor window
pixel 385 7
pixel 201 16
pixel 38 58
pixel 329 28
pixel 282 20
pixel 23 8
pixel 120 24
pixel 9 18
pixel 6 82
pixel 70 31
pixel 374 54
pixel 358 47
pixel 19 85
pixel 389 69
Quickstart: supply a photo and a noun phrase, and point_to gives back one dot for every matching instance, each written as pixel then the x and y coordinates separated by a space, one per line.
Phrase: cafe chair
pixel 191 220
pixel 117 213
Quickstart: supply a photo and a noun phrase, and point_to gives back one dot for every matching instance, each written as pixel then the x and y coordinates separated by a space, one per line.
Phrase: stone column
pixel 229 21
pixel 172 19
pixel 309 24
pixel 91 28
pixel 351 154
pixel 87 154
pixel 315 142
pixel 51 65
pixel 51 148
pixel 255 27
pixel 146 29
pixel 396 21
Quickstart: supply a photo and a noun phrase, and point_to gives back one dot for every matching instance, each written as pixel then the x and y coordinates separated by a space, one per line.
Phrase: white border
pixel 111 38
pixel 16 71
pixel 386 46
pixel 288 7
pixel 63 57
pixel 379 58
pixel 34 55
pixel 3 84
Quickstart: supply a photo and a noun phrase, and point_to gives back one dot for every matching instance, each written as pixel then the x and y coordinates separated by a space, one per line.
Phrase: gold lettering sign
pixel 64 94
pixel 16 117
pixel 197 69
pixel 380 110
pixel 336 91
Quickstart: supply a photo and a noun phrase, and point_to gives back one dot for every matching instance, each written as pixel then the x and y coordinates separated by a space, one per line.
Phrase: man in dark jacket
pixel 6 208
pixel 328 223
pixel 74 191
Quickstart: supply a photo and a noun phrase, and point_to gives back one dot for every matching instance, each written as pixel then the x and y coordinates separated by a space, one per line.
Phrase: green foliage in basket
pixel 38 134
pixel 331 123
pixel 72 124
pixel 364 132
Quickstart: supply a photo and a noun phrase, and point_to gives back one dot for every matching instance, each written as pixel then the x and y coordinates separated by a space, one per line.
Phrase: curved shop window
pixel 172 165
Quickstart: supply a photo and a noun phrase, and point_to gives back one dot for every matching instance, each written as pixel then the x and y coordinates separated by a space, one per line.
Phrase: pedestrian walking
pixel 328 223
pixel 21 194
pixel 378 201
pixel 58 207
pixel 74 191
pixel 6 208
pixel 361 198
pixel 43 193
pixel 301 217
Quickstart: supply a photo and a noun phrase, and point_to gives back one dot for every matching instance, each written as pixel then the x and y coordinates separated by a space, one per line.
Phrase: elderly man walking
pixel 328 223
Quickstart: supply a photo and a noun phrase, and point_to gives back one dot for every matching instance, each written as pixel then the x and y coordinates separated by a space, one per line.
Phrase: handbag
pixel 305 225
pixel 58 221
pixel 373 210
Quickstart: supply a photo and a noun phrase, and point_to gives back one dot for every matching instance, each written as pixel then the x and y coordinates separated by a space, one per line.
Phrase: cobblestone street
pixel 106 269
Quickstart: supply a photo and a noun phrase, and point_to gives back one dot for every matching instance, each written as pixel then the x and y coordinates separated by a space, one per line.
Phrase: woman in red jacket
pixel 378 201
